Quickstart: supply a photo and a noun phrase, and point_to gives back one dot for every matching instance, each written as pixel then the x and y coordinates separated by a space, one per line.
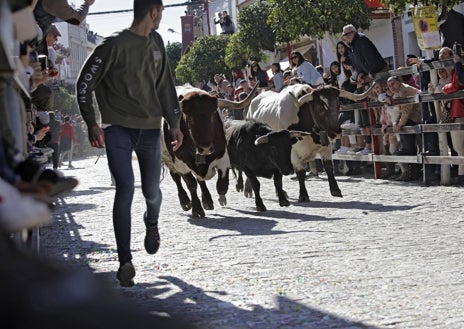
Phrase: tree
pixel 204 59
pixel 174 53
pixel 65 102
pixel 292 19
pixel 254 35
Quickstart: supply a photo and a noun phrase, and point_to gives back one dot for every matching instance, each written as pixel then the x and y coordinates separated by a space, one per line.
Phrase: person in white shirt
pixel 304 70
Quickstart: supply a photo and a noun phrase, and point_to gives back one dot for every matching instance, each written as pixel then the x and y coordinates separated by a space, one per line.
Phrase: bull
pixel 260 152
pixel 203 151
pixel 299 107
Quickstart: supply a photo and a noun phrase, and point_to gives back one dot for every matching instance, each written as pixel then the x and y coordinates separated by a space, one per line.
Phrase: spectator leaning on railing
pixel 457 113
pixel 410 115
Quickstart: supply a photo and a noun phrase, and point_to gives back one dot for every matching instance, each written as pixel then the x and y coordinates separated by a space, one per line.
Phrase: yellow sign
pixel 426 26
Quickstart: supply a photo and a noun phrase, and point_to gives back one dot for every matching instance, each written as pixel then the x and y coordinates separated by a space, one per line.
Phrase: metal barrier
pixel 444 159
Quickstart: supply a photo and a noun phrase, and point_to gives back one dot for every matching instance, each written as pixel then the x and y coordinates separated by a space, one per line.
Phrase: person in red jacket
pixel 67 141
pixel 457 115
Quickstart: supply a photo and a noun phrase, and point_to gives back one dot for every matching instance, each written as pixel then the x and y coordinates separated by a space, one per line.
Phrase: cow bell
pixel 200 159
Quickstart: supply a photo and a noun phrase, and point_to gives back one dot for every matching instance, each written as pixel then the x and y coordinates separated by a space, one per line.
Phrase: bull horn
pixel 232 105
pixel 296 133
pixel 355 97
pixel 305 99
pixel 295 100
pixel 262 140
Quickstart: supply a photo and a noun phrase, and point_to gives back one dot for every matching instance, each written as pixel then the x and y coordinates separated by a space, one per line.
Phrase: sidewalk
pixel 386 255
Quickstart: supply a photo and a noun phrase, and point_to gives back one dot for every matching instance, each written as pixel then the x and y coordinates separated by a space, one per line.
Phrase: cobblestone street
pixel 386 255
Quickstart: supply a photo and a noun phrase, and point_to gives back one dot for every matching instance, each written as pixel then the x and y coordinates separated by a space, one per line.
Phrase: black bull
pixel 260 152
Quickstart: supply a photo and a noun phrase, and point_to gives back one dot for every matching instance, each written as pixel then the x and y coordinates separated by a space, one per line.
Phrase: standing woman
pixel 259 74
pixel 278 76
pixel 342 56
pixel 304 70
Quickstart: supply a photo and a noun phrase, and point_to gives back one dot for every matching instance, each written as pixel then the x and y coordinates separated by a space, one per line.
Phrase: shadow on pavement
pixel 245 226
pixel 206 310
pixel 174 297
pixel 355 205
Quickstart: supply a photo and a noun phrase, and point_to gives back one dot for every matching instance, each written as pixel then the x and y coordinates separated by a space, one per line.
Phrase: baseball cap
pixel 52 29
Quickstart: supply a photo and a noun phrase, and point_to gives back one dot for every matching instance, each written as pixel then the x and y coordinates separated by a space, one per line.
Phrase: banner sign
pixel 426 27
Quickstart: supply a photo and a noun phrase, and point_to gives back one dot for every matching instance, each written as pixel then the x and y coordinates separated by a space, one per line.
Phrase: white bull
pixel 299 107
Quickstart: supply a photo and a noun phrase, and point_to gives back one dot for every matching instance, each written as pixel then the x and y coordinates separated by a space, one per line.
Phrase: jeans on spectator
pixel 365 123
pixel 430 139
pixel 120 142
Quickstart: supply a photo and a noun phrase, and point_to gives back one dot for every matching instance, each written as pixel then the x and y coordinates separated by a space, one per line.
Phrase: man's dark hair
pixel 142 7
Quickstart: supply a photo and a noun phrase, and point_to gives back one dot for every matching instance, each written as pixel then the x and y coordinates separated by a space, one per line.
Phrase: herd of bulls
pixel 281 134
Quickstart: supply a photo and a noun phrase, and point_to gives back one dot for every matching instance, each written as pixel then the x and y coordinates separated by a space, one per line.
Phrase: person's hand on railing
pixel 384 129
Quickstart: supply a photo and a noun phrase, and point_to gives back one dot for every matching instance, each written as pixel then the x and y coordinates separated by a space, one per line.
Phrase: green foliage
pixel 237 52
pixel 254 35
pixel 254 29
pixel 205 58
pixel 64 101
pixel 292 19
pixel 174 53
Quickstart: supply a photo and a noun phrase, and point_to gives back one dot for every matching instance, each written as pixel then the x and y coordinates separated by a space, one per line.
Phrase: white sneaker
pixel 342 150
pixel 353 150
pixel 364 151
pixel 18 211
pixel 349 126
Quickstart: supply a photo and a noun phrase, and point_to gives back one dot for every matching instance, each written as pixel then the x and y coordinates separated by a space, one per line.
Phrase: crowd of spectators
pixel 31 129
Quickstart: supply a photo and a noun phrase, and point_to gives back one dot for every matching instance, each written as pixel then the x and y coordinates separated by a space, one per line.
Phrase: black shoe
pixel 152 237
pixel 126 274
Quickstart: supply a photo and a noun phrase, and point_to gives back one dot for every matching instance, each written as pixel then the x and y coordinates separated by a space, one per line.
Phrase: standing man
pixel 55 131
pixel 67 141
pixel 130 75
pixel 363 53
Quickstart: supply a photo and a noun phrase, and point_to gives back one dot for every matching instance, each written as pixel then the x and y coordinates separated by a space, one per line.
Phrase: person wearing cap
pixel 363 53
pixel 46 12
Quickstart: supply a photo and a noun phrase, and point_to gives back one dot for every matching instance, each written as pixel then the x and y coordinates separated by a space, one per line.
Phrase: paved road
pixel 386 255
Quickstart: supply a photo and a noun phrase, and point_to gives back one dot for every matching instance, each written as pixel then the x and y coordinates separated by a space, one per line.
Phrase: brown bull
pixel 203 151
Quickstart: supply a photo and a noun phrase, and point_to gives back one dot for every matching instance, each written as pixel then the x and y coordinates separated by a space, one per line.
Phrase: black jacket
pixel 365 56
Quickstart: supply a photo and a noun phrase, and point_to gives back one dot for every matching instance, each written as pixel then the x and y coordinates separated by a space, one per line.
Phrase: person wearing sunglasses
pixel 304 70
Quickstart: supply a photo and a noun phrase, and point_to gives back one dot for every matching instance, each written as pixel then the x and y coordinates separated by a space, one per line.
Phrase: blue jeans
pixel 120 142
